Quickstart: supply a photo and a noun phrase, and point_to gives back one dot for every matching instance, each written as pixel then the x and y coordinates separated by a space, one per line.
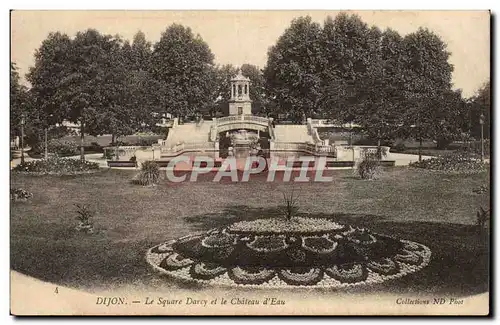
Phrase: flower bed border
pixel 451 172
pixel 92 171
pixel 277 283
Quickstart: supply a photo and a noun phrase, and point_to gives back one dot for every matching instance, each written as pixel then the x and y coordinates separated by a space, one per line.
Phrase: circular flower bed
pixel 57 166
pixel 252 253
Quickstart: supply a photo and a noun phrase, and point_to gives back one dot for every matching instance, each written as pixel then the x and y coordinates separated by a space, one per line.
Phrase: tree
pixel 223 74
pixel 427 79
pixel 140 100
pixel 381 112
pixel 182 63
pixel 257 87
pixel 480 103
pixel 293 69
pixel 51 67
pixel 80 80
pixel 350 49
pixel 18 100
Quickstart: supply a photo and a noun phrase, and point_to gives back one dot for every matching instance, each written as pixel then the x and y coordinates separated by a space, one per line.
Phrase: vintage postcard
pixel 250 162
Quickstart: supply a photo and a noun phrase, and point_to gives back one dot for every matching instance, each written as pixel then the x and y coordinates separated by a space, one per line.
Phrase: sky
pixel 238 37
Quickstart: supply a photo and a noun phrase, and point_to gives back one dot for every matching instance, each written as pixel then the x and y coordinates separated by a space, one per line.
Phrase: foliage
pixel 58 166
pixel 20 194
pixel 293 69
pixel 290 209
pixel 482 217
pixel 258 93
pixel 482 189
pixel 182 65
pixel 460 162
pixel 369 167
pixel 84 217
pixel 479 104
pixel 59 147
pixel 150 174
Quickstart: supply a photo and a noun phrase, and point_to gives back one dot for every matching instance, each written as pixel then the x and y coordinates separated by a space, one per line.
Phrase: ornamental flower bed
pixel 303 252
pixel 458 163
pixel 57 166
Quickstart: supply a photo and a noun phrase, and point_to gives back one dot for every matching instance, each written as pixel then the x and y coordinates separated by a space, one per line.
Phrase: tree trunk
pixel 379 150
pixel 420 149
pixel 82 138
pixel 46 144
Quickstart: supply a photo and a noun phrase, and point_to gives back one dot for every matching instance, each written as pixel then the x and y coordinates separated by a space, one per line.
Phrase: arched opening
pixel 243 142
pixel 246 89
pixel 239 90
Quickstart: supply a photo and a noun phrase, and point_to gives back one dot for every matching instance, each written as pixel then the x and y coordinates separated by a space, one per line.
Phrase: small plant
pixel 482 217
pixel 19 194
pixel 481 189
pixel 290 208
pixel 150 173
pixel 84 217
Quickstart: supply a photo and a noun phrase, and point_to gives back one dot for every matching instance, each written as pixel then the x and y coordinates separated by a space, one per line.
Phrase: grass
pixel 434 209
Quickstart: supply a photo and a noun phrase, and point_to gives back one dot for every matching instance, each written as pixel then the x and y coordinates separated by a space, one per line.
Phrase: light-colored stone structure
pixel 240 102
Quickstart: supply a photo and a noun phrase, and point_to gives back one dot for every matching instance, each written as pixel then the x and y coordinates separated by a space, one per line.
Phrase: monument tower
pixel 240 102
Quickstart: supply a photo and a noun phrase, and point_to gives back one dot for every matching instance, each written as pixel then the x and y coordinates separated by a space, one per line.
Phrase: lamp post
pixel 22 139
pixel 481 121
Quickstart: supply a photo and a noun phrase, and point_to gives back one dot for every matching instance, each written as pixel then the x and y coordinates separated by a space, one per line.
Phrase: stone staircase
pixel 189 133
pixel 293 134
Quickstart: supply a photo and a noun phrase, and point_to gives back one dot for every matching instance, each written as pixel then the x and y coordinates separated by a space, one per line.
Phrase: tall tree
pixel 80 80
pixel 223 74
pixel 293 66
pixel 351 50
pixel 140 100
pixel 381 112
pixel 18 100
pixel 427 78
pixel 52 65
pixel 480 103
pixel 183 65
pixel 257 87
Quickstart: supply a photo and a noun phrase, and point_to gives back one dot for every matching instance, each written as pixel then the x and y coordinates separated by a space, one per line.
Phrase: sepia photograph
pixel 250 162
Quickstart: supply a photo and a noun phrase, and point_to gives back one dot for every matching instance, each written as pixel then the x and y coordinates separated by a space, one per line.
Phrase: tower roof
pixel 240 77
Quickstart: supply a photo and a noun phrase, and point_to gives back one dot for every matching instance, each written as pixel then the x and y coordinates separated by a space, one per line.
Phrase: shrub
pixel 369 167
pixel 62 148
pixel 19 194
pixel 460 162
pixel 84 217
pixel 109 154
pixel 150 174
pixel 147 142
pixel 58 166
pixel 400 147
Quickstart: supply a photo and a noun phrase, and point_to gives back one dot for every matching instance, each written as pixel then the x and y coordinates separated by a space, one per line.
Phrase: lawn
pixel 434 209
